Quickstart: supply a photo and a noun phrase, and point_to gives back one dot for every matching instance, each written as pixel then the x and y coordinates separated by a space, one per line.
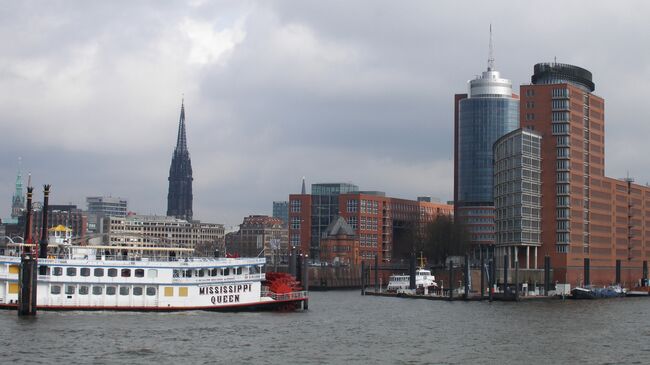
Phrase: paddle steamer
pixel 147 279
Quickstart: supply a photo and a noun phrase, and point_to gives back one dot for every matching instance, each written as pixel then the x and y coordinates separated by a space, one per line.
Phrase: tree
pixel 445 237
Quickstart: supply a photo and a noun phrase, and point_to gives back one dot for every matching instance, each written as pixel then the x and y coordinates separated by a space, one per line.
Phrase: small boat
pixel 613 291
pixel 400 283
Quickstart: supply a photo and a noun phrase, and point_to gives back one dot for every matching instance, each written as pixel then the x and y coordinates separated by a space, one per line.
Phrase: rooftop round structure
pixel 555 73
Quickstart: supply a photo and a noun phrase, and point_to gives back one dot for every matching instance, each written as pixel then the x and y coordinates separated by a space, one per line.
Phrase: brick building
pixel 594 228
pixel 378 220
pixel 339 244
pixel 260 235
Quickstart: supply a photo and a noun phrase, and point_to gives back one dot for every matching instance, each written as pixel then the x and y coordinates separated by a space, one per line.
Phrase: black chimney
pixel 27 238
pixel 42 252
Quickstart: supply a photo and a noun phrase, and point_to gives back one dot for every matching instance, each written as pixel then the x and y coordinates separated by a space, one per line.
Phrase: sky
pixel 335 91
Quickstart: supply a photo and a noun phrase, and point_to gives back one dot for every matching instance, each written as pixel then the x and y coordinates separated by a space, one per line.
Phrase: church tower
pixel 18 200
pixel 179 197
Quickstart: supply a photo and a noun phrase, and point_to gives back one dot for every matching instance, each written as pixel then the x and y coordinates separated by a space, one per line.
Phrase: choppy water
pixel 342 328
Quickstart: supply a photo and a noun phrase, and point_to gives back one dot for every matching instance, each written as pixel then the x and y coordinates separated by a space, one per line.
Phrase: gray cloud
pixel 335 91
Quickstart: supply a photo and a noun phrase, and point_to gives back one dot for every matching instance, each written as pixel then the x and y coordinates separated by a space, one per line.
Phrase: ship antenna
pixel 491 55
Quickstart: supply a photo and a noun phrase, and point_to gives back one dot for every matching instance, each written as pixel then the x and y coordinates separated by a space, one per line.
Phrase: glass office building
pixel 488 111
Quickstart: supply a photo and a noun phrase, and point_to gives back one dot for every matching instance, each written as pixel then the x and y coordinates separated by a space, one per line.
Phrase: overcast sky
pixel 336 91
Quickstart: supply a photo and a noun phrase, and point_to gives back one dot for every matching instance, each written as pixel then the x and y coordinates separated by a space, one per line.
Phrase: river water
pixel 342 327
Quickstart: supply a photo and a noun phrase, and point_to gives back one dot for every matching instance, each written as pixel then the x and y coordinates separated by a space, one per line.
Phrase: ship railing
pixel 287 296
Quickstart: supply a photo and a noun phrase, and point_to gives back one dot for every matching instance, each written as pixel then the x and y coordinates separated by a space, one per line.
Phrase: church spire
pixel 181 141
pixel 179 195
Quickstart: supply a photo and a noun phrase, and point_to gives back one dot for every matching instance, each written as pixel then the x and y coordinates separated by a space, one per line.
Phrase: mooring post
pixel 451 279
pixel 547 274
pixel 466 291
pixel 491 279
pixel 28 266
pixel 292 261
pixel 412 285
pixel 516 279
pixel 506 264
pixel 363 277
pixel 482 273
pixel 376 273
pixel 305 279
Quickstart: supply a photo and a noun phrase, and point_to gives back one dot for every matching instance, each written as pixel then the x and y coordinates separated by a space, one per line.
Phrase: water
pixel 342 328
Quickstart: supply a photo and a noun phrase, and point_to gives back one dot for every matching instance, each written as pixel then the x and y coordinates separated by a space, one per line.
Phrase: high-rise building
pixel 281 211
pixel 594 228
pixel 517 196
pixel 488 111
pixel 378 221
pixel 179 196
pixel 107 205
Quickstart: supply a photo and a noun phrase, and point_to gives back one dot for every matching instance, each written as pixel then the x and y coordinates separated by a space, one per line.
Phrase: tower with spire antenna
pixel 18 199
pixel 489 110
pixel 179 196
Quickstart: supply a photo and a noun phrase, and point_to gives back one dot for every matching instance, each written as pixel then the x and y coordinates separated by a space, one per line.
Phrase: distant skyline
pixel 338 91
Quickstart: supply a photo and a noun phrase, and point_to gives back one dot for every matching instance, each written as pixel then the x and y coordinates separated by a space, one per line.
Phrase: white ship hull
pixel 193 284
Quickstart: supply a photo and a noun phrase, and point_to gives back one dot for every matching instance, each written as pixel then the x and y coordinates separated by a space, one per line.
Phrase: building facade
pixel 107 206
pixel 281 211
pixel 594 228
pixel 489 110
pixel 179 196
pixel 152 231
pixel 261 235
pixel 376 219
pixel 517 197
pixel 62 214
pixel 340 244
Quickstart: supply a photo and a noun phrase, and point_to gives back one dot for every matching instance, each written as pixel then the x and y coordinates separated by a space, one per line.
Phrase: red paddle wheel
pixel 280 283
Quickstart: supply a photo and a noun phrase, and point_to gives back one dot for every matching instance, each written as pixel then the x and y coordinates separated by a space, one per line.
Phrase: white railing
pixel 288 296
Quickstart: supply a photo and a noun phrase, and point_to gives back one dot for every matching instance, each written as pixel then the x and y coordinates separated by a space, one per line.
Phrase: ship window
pixel 57 271
pixel 47 270
pixel 239 271
pixel 71 271
pixel 177 273
pixel 69 289
pixel 139 273
pixel 169 291
pixel 124 290
pixel 152 273
pixel 226 272
pixel 110 290
pixel 252 270
pixel 182 291
pixel 112 273
pixel 55 289
pixel 99 272
pixel 201 273
pixel 213 272
pixel 151 291
pixel 137 290
pixel 97 290
pixel 83 290
pixel 125 273
pixel 84 271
